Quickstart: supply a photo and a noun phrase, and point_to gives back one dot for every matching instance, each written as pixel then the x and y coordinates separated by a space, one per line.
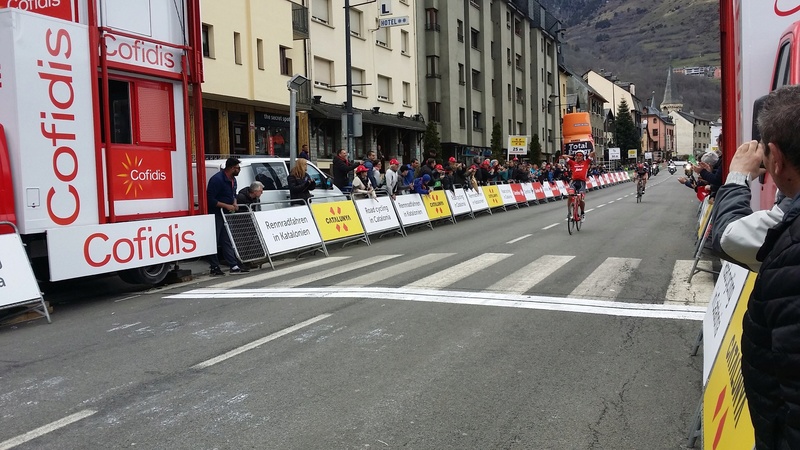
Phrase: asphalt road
pixel 501 332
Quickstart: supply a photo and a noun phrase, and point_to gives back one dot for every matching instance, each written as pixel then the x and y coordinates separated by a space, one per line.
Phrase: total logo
pixel 785 8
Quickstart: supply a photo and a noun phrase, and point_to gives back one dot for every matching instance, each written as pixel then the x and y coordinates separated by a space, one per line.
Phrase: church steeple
pixel 670 104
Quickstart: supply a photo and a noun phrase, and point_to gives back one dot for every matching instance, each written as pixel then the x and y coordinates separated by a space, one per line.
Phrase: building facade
pixel 659 134
pixel 692 134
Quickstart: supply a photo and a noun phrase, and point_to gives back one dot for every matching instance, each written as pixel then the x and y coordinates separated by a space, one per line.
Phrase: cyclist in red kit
pixel 580 169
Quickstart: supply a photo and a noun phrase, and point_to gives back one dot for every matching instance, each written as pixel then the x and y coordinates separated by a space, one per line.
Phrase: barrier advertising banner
pixel 548 190
pixel 527 189
pixel 538 190
pixel 476 199
pixel 377 214
pixel 459 204
pixel 518 192
pixel 726 416
pixel 410 209
pixel 337 220
pixel 436 205
pixel 493 197
pixel 562 188
pixel 17 282
pixel 506 194
pixel 287 229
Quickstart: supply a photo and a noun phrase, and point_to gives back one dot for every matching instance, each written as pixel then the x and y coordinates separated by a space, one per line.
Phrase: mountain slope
pixel 638 40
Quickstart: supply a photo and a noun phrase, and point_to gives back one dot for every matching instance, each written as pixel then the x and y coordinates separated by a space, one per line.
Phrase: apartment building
pixel 383 84
pixel 614 91
pixel 692 134
pixel 251 49
pixel 659 134
pixel 488 62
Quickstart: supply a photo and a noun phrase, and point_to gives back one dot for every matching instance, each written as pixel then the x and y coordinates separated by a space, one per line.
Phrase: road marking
pixel 619 199
pixel 262 341
pixel 41 431
pixel 588 306
pixel 608 279
pixel 612 201
pixel 518 239
pixel 278 273
pixel 396 269
pixel 600 206
pixel 589 210
pixel 460 271
pixel 126 298
pixel 551 226
pixel 316 276
pixel 696 293
pixel 122 327
pixel 529 276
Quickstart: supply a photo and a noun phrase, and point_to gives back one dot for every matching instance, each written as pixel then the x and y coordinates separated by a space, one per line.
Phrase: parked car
pixel 272 173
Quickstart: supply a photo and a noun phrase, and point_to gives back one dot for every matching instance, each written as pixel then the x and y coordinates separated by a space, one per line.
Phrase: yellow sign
pixel 705 216
pixel 493 197
pixel 726 417
pixel 337 220
pixel 632 153
pixel 436 205
pixel 517 145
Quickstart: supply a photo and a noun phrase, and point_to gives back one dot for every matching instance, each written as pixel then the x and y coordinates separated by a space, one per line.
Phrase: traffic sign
pixel 393 21
pixel 517 145
pixel 613 153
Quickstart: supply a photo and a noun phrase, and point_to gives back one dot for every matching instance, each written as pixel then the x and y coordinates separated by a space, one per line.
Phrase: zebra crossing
pixel 443 278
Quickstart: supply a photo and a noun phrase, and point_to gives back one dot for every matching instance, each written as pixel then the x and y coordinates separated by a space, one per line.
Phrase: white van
pixel 272 173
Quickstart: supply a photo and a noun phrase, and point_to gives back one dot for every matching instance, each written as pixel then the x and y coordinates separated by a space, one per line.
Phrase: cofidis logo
pixel 141 174
pixel 785 8
pixel 60 9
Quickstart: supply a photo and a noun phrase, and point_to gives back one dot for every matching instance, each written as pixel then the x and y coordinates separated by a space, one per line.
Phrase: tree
pixel 497 144
pixel 627 135
pixel 535 150
pixel 431 142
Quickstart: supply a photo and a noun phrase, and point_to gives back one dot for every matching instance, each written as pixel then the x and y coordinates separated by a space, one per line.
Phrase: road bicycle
pixel 639 189
pixel 574 210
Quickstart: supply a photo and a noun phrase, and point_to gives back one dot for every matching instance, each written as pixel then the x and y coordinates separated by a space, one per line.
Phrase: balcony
pixel 300 26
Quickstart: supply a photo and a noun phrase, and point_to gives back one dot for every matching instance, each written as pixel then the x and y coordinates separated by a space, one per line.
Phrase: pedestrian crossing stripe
pixel 585 306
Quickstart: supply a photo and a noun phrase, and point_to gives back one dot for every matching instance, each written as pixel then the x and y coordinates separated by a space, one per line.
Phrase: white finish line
pixel 41 431
pixel 602 307
pixel 254 344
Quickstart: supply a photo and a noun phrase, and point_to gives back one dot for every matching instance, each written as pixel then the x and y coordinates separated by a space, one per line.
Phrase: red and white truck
pixel 96 132
pixel 760 52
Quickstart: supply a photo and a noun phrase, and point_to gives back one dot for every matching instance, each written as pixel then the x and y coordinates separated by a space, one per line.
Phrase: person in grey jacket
pixel 770 340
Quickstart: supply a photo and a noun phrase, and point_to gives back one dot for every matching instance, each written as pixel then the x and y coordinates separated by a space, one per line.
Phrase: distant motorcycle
pixel 672 169
pixel 655 170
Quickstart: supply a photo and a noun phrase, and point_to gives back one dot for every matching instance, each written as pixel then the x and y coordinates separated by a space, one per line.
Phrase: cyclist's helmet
pixel 640 166
pixel 579 152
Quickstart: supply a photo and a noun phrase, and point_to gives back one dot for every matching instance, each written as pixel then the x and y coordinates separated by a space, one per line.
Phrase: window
pixel 404 42
pixel 323 73
pixel 406 93
pixel 320 11
pixel 461 79
pixel 462 118
pixel 520 129
pixel 783 67
pixel 549 48
pixel 382 37
pixel 509 91
pixel 140 112
pixel 550 78
pixel 358 81
pixel 517 27
pixel 520 96
pixel 476 80
pixel 355 22
pixel 508 56
pixel 476 121
pixel 493 94
pixel 384 88
pixel 260 53
pixel 432 19
pixel 510 130
pixel 237 48
pixel 474 38
pixel 285 61
pixel 433 67
pixel 518 61
pixel 475 3
pixel 460 30
pixel 208 40
pixel 433 111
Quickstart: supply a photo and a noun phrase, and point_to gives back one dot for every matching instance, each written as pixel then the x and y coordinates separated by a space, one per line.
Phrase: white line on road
pixel 518 239
pixel 608 279
pixel 337 270
pixel 604 307
pixel 619 199
pixel 249 279
pixel 600 206
pixel 41 431
pixel 387 273
pixel 259 342
pixel 551 226
pixel 458 272
pixel 122 327
pixel 126 298
pixel 529 276
pixel 696 293
pixel 589 210
pixel 612 201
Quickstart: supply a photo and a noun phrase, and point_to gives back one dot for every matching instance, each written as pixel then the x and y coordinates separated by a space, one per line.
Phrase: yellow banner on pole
pixel 436 205
pixel 337 220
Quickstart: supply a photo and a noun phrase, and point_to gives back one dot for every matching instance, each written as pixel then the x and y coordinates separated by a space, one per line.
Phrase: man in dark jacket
pixel 771 326
pixel 250 195
pixel 341 167
pixel 221 197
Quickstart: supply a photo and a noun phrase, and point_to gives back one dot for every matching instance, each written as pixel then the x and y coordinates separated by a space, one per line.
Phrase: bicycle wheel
pixel 638 192
pixel 570 221
pixel 577 214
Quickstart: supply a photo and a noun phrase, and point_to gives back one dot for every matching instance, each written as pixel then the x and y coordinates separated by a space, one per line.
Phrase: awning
pixel 334 112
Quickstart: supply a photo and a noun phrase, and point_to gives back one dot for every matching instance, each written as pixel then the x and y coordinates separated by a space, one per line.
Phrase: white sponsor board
pixel 94 249
pixel 517 145
pixel 506 194
pixel 530 195
pixel 648 155
pixel 601 181
pixel 459 204
pixel 614 153
pixel 377 214
pixel 410 209
pixel 47 112
pixel 288 229
pixel 548 191
pixel 562 188
pixel 477 201
pixel 720 310
pixel 17 282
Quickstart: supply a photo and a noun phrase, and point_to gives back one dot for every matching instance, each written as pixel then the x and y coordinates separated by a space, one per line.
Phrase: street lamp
pixel 294 85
